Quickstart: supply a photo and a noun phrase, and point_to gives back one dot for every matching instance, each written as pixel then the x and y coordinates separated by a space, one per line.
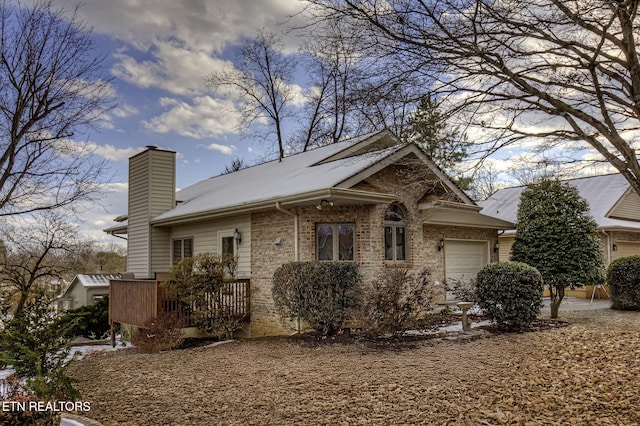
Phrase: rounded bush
pixel 623 277
pixel 323 294
pixel 510 293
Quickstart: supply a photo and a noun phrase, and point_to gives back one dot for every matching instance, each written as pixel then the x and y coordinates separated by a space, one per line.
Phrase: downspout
pixel 500 232
pixel 296 223
pixel 608 252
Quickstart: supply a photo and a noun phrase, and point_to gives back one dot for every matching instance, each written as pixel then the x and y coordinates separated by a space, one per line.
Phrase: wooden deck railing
pixel 136 301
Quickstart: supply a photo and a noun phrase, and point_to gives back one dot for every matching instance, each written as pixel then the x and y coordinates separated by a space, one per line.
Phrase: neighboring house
pixel 85 289
pixel 613 204
pixel 371 200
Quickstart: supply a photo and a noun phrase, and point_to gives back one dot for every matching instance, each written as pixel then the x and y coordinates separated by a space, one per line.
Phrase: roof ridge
pixel 565 180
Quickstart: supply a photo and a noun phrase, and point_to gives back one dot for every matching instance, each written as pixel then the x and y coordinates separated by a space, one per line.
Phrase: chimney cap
pixel 151 147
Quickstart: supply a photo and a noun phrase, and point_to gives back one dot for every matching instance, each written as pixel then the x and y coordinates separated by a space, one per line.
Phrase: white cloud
pixel 224 149
pixel 173 68
pixel 110 152
pixel 181 39
pixel 201 24
pixel 205 117
pixel 125 110
pixel 98 216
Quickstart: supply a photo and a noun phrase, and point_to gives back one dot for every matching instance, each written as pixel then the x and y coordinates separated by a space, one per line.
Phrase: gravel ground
pixel 585 373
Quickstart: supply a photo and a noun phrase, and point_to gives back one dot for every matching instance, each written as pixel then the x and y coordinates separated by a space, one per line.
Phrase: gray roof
pixel 328 167
pixel 292 175
pixel 600 192
pixel 96 280
pixel 91 281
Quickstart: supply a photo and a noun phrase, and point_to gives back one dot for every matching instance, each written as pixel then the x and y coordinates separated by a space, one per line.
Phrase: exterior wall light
pixel 614 247
pixel 324 203
pixel 496 247
pixel 237 236
pixel 441 244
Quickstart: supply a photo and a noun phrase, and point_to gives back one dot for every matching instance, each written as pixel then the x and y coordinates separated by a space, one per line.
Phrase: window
pixel 182 248
pixel 335 241
pixel 228 250
pixel 226 246
pixel 395 234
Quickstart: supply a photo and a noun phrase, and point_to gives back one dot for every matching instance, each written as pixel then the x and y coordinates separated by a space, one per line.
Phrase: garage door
pixel 464 259
pixel 626 248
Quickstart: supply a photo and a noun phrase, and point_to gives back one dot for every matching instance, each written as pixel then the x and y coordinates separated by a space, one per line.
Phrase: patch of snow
pixel 453 328
pixel 79 352
pixel 6 372
pixel 214 344
pixel 474 310
pixel 69 422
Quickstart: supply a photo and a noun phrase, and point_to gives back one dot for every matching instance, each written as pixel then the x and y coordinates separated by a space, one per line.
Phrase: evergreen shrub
pixel 90 321
pixel 510 293
pixel 623 277
pixel 323 294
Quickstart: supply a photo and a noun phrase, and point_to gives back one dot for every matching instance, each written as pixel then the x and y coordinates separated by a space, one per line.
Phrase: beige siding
pixel 151 192
pixel 627 208
pixel 138 230
pixel 206 238
pixel 161 250
pixel 626 248
pixel 506 242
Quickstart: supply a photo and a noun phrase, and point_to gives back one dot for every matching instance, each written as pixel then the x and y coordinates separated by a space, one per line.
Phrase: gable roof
pixel 602 193
pixel 328 171
pixel 91 281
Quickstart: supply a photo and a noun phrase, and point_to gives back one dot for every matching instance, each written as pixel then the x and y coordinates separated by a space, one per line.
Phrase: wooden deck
pixel 135 301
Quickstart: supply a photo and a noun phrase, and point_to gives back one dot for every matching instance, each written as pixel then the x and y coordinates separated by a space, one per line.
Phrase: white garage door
pixel 626 248
pixel 464 259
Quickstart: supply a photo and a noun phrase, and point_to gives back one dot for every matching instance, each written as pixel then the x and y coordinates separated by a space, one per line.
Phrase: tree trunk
pixel 556 300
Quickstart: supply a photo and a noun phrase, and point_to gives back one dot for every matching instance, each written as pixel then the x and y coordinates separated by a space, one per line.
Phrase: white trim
pixel 398 155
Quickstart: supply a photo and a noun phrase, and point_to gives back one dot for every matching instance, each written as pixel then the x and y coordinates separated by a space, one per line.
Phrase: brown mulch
pixel 587 372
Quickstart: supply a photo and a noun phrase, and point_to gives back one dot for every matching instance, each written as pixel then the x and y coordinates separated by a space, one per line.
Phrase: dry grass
pixel 586 373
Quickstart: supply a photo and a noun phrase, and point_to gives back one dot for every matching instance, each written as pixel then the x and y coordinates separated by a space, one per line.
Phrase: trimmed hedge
pixel 510 293
pixel 623 277
pixel 323 294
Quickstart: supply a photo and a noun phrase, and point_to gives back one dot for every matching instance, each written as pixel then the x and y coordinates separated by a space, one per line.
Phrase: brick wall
pixel 423 240
pixel 266 257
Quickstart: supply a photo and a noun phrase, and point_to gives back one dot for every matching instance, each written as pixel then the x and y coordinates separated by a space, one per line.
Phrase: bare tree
pixel 262 81
pixel 51 88
pixel 236 164
pixel 39 249
pixel 334 68
pixel 559 71
pixel 484 181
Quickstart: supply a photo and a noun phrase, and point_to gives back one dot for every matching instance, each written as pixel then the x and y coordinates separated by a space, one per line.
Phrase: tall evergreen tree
pixel 429 129
pixel 556 235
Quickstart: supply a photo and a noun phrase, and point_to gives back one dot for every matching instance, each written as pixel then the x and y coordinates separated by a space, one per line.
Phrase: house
pixel 85 289
pixel 371 200
pixel 613 204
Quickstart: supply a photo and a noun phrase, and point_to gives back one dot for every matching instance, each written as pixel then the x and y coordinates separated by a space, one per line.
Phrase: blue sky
pixel 158 53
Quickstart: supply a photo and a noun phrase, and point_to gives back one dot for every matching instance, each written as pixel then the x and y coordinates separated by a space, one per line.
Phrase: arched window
pixel 395 234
